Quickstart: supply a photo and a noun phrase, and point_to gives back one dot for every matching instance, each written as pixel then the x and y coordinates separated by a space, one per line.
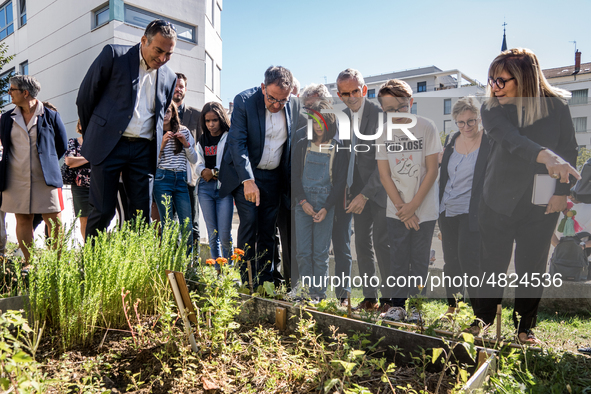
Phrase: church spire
pixel 504 45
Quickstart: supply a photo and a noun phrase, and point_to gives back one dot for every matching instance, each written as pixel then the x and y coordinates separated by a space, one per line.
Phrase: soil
pixel 121 366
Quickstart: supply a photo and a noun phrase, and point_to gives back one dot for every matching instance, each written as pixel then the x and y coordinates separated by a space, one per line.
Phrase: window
pixel 138 17
pixel 208 71
pixel 23 12
pixel 446 106
pixel 447 126
pixel 580 124
pixel 24 68
pixel 371 93
pixel 413 109
pixel 579 97
pixel 217 17
pixel 6 25
pixel 5 97
pixel 101 17
pixel 421 87
pixel 217 81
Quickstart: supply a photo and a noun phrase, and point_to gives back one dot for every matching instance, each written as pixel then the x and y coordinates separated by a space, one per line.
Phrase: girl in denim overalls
pixel 319 174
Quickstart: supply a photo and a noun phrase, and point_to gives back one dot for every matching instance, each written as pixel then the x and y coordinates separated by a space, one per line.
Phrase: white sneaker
pixel 395 313
pixel 415 317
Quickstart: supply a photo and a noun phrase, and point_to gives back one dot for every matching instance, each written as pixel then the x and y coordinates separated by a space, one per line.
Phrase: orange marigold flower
pixel 239 252
pixel 222 260
pixel 210 261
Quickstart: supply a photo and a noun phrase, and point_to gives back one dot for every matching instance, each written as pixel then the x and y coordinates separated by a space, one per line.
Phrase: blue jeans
pixel 217 213
pixel 173 184
pixel 313 242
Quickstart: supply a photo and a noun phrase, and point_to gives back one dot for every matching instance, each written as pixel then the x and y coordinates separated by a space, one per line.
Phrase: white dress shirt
pixel 142 122
pixel 275 137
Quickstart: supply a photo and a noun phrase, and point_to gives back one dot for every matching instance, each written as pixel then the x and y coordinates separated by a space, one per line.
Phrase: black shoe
pixel 585 350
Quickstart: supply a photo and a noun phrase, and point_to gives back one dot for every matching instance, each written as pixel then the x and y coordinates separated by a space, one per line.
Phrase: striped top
pixel 170 161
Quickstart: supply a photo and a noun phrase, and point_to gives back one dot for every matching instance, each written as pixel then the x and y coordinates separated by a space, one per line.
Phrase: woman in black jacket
pixel 460 190
pixel 531 133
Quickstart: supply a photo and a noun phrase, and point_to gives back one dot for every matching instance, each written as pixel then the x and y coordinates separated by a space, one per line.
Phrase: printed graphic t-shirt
pixel 407 165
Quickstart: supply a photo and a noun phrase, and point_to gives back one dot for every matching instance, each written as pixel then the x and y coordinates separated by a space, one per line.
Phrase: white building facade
pixel 579 84
pixel 57 41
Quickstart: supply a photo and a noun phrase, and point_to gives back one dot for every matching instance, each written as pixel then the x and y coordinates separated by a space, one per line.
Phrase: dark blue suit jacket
pixel 107 97
pixel 246 140
pixel 52 142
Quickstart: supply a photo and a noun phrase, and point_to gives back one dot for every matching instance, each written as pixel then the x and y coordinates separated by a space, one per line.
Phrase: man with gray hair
pixel 365 195
pixel 121 105
pixel 255 167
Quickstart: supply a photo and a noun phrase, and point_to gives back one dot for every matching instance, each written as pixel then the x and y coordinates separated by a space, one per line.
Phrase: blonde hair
pixel 523 65
pixel 465 104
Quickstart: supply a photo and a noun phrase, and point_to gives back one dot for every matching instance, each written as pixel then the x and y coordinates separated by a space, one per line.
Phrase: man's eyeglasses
pixel 470 123
pixel 402 108
pixel 14 89
pixel 273 100
pixel 500 82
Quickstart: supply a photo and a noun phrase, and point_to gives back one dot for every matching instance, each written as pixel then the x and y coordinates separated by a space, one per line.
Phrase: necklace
pixel 473 145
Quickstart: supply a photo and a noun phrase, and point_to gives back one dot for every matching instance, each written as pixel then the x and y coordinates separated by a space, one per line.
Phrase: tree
pixel 4 84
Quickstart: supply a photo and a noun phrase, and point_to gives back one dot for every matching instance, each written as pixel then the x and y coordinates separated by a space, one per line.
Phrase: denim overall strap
pixel 316 177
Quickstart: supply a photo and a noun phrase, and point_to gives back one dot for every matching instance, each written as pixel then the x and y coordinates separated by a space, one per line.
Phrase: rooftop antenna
pixel 574 42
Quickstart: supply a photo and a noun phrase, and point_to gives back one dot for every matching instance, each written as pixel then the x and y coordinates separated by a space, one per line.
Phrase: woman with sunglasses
pixel 460 190
pixel 170 180
pixel 532 134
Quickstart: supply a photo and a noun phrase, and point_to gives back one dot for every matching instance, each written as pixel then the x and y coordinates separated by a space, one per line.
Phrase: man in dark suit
pixel 366 197
pixel 255 168
pixel 190 119
pixel 121 105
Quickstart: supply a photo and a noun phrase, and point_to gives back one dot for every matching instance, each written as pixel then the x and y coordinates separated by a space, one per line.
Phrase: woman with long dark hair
pixel 532 136
pixel 171 175
pixel 217 212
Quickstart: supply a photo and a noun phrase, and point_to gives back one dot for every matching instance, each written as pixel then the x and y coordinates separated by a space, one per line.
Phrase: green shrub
pixel 77 290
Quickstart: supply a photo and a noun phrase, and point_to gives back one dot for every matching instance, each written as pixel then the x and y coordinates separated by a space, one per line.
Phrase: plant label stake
pixel 349 312
pixel 281 318
pixel 182 306
pixel 499 315
pixel 250 277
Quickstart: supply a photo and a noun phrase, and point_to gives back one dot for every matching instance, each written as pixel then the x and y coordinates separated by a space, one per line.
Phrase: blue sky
pixel 320 38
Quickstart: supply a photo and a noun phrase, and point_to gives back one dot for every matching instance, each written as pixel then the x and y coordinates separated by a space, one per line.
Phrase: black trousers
pixel 128 159
pixel 371 233
pixel 531 230
pixel 256 232
pixel 461 254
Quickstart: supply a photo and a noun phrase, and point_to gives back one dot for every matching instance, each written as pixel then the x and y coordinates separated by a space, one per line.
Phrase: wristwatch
pixel 215 172
pixel 364 197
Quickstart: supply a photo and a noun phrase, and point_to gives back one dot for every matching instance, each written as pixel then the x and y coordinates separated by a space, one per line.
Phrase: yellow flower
pixel 221 260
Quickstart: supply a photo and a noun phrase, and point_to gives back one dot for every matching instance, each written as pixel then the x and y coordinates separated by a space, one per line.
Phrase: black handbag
pixel 69 174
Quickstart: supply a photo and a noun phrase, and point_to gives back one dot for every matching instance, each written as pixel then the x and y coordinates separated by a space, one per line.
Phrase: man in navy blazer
pixel 121 105
pixel 255 169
